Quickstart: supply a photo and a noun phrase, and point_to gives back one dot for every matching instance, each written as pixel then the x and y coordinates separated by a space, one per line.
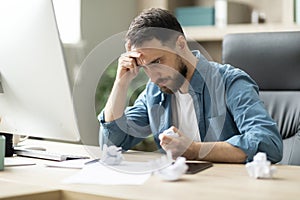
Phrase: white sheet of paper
pixel 17 161
pixel 97 173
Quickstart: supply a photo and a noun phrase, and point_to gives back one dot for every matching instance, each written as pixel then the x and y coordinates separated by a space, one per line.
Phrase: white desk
pixel 222 181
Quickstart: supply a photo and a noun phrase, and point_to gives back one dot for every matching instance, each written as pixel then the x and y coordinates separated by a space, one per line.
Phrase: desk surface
pixel 222 181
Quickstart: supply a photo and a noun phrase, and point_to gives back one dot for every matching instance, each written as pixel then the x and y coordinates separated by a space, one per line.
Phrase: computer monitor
pixel 35 92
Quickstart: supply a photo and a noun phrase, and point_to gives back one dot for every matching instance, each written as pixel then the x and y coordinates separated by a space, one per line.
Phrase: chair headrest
pixel 271 59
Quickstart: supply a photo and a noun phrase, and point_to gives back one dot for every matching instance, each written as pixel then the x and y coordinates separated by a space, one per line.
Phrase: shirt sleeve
pixel 258 131
pixel 128 130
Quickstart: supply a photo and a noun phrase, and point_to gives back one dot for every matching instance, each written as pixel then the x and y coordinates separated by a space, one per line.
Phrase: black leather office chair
pixel 273 61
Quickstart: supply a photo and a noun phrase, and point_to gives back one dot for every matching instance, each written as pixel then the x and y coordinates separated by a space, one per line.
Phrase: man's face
pixel 162 65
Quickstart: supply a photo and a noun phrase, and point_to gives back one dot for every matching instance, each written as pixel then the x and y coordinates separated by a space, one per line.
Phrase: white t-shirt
pixel 184 116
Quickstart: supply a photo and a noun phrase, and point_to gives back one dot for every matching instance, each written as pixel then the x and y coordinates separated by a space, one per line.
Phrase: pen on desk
pixel 92 161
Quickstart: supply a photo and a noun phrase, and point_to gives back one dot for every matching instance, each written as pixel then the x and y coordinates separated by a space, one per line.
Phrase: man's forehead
pixel 153 45
pixel 150 51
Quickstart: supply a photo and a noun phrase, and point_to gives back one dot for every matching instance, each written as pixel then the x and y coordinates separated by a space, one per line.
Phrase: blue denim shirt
pixel 227 106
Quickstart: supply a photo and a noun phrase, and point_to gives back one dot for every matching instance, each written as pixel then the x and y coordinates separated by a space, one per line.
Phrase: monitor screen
pixel 35 93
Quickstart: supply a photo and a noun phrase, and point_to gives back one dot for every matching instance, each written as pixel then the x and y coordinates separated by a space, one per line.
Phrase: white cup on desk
pixel 19 138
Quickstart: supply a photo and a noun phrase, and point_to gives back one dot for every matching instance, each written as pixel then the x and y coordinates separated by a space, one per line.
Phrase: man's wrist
pixel 122 84
pixel 192 152
pixel 196 149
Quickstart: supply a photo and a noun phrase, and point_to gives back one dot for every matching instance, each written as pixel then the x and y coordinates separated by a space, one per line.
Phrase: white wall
pixel 103 18
pixel 100 19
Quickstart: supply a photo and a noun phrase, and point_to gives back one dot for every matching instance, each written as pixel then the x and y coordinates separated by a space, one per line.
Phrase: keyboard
pixel 47 155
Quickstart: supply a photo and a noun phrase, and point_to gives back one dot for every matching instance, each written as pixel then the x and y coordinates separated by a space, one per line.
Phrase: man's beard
pixel 178 80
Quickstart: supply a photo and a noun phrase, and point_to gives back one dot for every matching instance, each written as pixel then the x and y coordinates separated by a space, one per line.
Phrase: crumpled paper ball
pixel 260 167
pixel 174 171
pixel 112 155
pixel 171 133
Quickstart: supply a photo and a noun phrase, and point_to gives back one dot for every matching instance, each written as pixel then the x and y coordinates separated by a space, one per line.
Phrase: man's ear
pixel 181 43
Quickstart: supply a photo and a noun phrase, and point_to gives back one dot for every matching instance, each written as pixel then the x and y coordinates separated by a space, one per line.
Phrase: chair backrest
pixel 273 61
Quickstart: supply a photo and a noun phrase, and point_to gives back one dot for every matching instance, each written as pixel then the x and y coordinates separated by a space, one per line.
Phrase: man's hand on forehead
pixel 135 55
pixel 128 66
pixel 132 54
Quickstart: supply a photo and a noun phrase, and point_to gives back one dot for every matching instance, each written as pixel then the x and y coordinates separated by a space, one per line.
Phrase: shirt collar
pixel 198 79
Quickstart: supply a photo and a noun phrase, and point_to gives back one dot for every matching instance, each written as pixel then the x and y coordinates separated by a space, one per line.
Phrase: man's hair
pixel 154 23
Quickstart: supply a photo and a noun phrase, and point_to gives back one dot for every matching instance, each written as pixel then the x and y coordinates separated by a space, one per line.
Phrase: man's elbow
pixel 276 153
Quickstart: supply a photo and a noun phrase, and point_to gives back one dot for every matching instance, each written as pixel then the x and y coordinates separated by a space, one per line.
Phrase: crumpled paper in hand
pixel 112 155
pixel 260 167
pixel 171 133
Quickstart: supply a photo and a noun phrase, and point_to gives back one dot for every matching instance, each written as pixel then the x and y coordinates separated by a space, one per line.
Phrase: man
pixel 214 109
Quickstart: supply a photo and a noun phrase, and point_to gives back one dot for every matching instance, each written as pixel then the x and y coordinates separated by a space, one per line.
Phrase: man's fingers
pixel 165 138
pixel 127 64
pixel 176 130
pixel 129 59
pixel 132 54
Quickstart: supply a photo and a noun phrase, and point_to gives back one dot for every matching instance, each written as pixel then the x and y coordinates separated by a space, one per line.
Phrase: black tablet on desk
pixel 195 167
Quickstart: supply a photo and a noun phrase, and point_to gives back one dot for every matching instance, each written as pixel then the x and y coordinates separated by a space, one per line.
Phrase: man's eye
pixel 157 61
pixel 153 63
